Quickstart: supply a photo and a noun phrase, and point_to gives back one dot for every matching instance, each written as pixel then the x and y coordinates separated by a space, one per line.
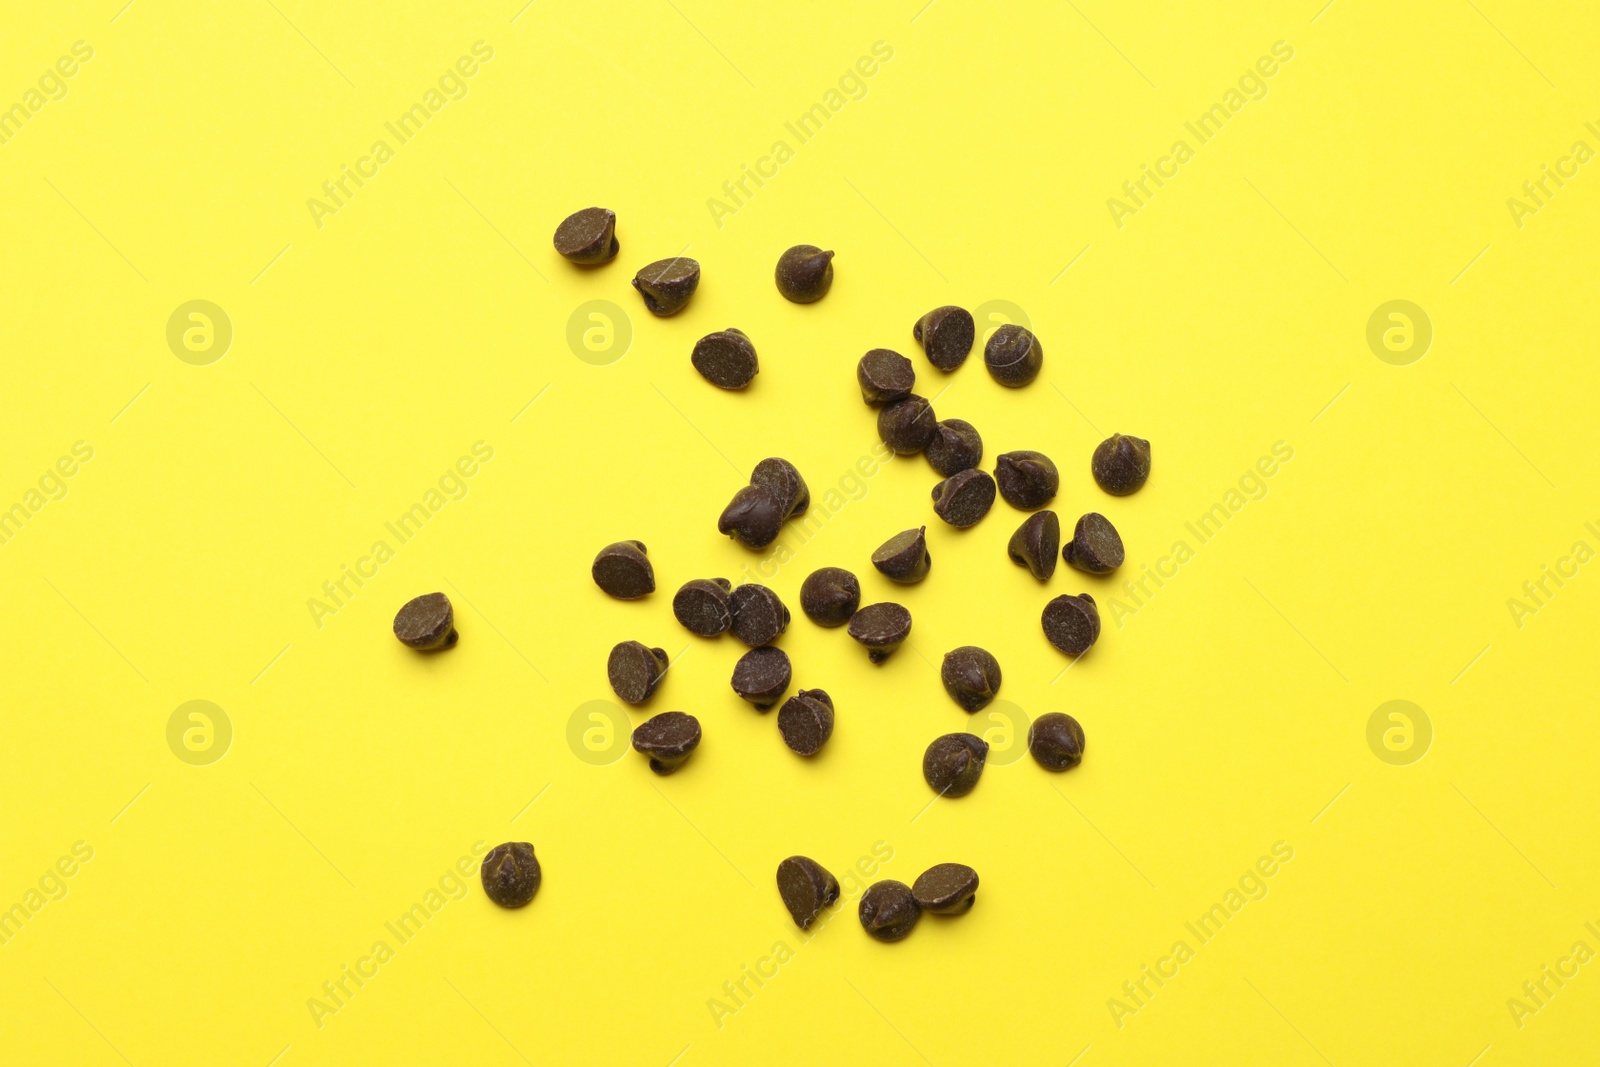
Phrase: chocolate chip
pixel 971 675
pixel 1013 356
pixel 954 447
pixel 1121 464
pixel 907 424
pixel 753 517
pixel 758 511
pixel 881 627
pixel 806 721
pixel 806 888
pixel 511 874
pixel 1072 623
pixel 588 237
pixel 1027 480
pixel 1056 741
pixel 759 617
pixel 953 763
pixel 1095 547
pixel 885 376
pixel 623 570
pixel 668 739
pixel 962 499
pixel 784 481
pixel 667 284
pixel 726 359
pixel 829 596
pixel 946 334
pixel 946 889
pixel 427 623
pixel 1035 543
pixel 805 273
pixel 701 604
pixel 761 676
pixel 904 557
pixel 888 910
pixel 634 670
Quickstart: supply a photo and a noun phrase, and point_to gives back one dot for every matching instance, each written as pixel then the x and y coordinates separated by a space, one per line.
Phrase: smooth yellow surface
pixel 1227 710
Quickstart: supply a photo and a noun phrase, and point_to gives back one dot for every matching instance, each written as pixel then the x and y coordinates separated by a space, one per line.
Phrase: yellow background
pixel 1226 714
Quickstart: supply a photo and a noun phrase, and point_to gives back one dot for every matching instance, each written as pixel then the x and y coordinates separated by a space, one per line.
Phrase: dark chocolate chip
pixel 624 571
pixel 806 888
pixel 804 274
pixel 806 721
pixel 759 617
pixel 904 557
pixel 885 376
pixel 1027 480
pixel 784 481
pixel 667 284
pixel 427 623
pixel 971 675
pixel 1072 623
pixel 702 606
pixel 907 424
pixel 829 596
pixel 953 763
pixel 946 889
pixel 668 739
pixel 726 359
pixel 1013 356
pixel 962 499
pixel 511 874
pixel 946 334
pixel 753 517
pixel 1121 464
pixel 634 670
pixel 588 237
pixel 888 910
pixel 881 628
pixel 761 675
pixel 1056 741
pixel 1096 547
pixel 954 447
pixel 1035 543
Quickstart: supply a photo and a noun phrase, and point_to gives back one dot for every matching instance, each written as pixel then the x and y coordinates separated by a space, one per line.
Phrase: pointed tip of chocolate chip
pixel 426 623
pixel 904 558
pixel 804 273
pixel 888 910
pixel 623 570
pixel 1072 623
pixel 588 237
pixel 667 284
pixel 806 887
pixel 668 740
pixel 1096 547
pixel 1121 464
